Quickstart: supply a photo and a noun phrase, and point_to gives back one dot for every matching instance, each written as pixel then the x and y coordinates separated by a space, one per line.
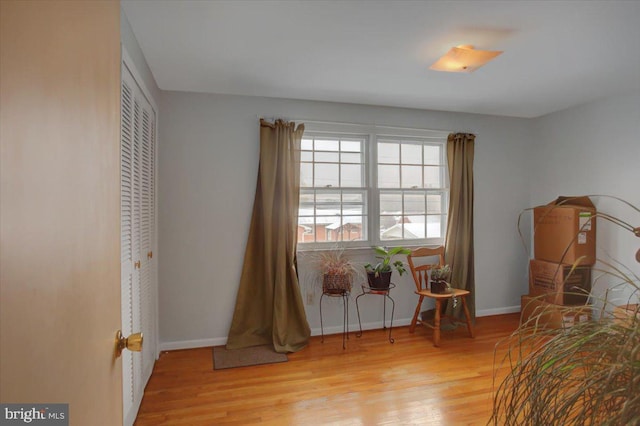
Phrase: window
pixel 333 190
pixel 371 186
pixel 411 189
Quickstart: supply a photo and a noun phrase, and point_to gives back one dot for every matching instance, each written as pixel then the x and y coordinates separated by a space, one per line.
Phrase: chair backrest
pixel 419 269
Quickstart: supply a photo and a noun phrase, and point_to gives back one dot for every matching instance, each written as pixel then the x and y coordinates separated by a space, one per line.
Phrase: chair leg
pixel 468 316
pixel 412 328
pixel 436 324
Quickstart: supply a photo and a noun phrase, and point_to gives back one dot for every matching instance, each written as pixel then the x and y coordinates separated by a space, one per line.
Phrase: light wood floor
pixel 372 382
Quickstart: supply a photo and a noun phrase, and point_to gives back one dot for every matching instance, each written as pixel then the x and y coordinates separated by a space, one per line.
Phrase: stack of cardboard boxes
pixel 560 273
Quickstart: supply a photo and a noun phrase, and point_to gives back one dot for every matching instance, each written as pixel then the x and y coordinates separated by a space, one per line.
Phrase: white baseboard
pixel 498 311
pixel 353 327
pixel 192 344
pixel 218 341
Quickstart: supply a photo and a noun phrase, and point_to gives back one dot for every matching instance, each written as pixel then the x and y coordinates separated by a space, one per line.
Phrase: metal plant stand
pixel 344 294
pixel 378 292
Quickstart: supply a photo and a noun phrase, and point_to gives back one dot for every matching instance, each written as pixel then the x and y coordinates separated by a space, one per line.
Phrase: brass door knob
pixel 133 342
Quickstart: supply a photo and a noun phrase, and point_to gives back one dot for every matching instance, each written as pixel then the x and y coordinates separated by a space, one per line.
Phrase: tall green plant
pixel 386 256
pixel 586 374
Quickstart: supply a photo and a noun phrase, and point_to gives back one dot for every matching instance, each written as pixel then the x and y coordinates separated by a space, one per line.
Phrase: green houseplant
pixel 379 275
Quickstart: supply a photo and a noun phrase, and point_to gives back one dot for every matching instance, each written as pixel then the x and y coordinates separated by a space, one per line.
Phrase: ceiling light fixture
pixel 464 58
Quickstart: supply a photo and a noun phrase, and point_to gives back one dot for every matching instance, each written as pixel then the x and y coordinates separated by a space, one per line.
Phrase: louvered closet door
pixel 147 226
pixel 138 238
pixel 129 220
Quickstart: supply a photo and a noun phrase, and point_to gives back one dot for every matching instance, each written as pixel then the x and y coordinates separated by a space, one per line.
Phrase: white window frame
pixel 443 190
pixel 372 134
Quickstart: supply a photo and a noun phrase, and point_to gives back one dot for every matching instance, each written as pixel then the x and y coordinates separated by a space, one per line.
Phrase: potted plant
pixel 379 276
pixel 337 271
pixel 439 277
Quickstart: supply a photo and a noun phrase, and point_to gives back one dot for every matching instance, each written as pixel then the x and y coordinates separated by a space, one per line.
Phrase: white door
pixel 138 238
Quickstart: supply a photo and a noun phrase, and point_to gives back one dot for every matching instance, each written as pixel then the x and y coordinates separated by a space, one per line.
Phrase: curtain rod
pixel 302 120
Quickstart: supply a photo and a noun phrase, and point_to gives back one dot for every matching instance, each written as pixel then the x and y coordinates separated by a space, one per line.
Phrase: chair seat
pixel 455 292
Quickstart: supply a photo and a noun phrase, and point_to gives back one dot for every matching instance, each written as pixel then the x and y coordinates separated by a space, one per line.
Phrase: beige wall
pixel 60 201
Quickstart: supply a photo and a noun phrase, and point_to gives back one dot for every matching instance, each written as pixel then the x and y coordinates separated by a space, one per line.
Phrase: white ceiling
pixel 557 54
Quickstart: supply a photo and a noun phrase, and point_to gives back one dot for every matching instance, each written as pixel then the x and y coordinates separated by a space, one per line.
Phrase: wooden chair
pixel 420 274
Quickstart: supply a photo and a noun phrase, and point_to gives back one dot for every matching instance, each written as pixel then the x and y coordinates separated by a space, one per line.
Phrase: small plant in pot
pixel 439 277
pixel 337 271
pixel 379 275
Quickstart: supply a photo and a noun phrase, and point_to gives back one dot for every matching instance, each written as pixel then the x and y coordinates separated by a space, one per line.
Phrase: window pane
pixel 352 197
pixel 352 209
pixel 351 175
pixel 326 175
pixel 389 176
pixel 306 198
pixel 434 226
pixel 334 230
pixel 327 157
pixel 413 230
pixel 432 177
pixel 305 219
pixel 324 223
pixel 411 177
pixel 432 154
pixel 306 174
pixel 327 145
pixel 306 156
pixel 352 228
pixel 391 203
pixel 327 197
pixel 434 204
pixel 351 146
pixel 389 153
pixel 411 154
pixel 305 233
pixel 390 228
pixel 351 157
pixel 403 229
pixel 414 204
pixel 328 210
pixel 307 144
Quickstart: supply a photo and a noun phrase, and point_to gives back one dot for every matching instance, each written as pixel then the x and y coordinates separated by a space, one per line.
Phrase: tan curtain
pixel 459 246
pixel 269 305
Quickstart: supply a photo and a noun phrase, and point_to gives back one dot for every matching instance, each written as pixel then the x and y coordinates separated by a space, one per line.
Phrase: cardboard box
pixel 558 284
pixel 548 315
pixel 565 231
pixel 624 313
